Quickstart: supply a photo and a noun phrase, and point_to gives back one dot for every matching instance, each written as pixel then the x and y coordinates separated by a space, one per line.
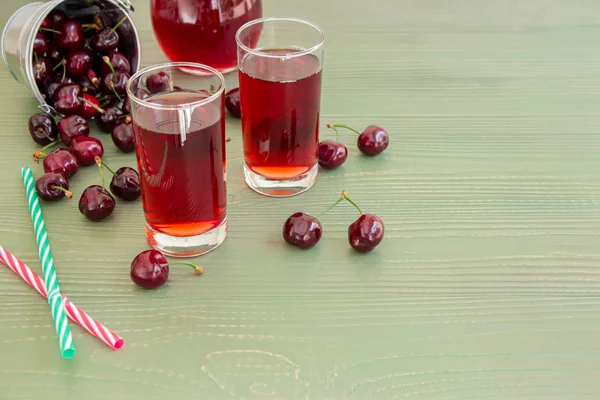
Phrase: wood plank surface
pixel 486 285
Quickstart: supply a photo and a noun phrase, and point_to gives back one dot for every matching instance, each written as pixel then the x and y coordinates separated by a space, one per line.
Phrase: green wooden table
pixel 486 285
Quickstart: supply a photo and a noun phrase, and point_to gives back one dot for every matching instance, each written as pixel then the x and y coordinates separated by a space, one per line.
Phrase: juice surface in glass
pixel 182 175
pixel 202 31
pixel 280 104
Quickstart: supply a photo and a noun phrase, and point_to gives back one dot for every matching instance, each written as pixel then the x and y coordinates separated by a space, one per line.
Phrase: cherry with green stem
pixel 42 128
pixel 52 186
pixel 372 141
pixel 125 183
pixel 91 106
pixel 114 82
pixel 96 203
pixel 106 39
pixel 366 232
pixel 150 269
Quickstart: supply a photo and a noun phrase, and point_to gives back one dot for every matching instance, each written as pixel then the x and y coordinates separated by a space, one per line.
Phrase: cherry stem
pixel 337 133
pixel 98 21
pixel 64 63
pixel 92 76
pixel 100 110
pixel 343 197
pixel 50 30
pixel 67 193
pixel 331 207
pixel 37 60
pixel 107 61
pixel 45 134
pixel 50 145
pixel 332 126
pixel 351 202
pixel 117 25
pixel 99 163
pixel 108 168
pixel 198 270
pixel 42 152
pixel 112 86
pixel 88 27
pixel 57 66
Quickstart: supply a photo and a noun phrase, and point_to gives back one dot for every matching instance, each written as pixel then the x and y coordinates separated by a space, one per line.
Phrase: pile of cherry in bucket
pixel 82 74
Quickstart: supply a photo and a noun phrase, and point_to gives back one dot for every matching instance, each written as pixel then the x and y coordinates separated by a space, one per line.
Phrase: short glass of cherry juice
pixel 280 62
pixel 179 127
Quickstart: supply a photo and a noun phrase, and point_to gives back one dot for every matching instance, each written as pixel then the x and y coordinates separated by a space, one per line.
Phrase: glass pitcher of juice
pixel 202 31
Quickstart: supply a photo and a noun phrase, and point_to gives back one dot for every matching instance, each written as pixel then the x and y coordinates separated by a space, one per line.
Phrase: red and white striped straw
pixel 85 321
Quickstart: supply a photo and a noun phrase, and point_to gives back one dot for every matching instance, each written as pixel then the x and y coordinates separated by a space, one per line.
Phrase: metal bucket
pixel 20 30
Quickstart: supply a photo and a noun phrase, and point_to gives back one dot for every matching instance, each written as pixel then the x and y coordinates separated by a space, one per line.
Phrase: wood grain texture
pixel 485 287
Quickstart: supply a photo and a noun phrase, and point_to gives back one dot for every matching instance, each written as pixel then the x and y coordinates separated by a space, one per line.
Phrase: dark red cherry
pixel 365 233
pixel 159 82
pixel 54 52
pixel 52 186
pixel 42 128
pixel 72 126
pixel 149 269
pixel 118 80
pixel 110 119
pixel 105 41
pixel 63 161
pixel 96 203
pixel 50 89
pixel 232 102
pixel 46 23
pixel 119 62
pixel 79 62
pixel 373 140
pixel 86 149
pixel 40 44
pixel 91 107
pixel 71 34
pixel 56 16
pixel 42 70
pixel 87 86
pixel 122 136
pixel 332 154
pixel 302 230
pixel 125 184
pixel 67 99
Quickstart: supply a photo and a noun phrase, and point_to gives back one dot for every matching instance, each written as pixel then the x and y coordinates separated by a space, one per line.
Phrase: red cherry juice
pixel 202 31
pixel 182 175
pixel 280 104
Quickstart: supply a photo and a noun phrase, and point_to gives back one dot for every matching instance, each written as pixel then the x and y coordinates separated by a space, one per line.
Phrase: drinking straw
pixel 65 339
pixel 76 314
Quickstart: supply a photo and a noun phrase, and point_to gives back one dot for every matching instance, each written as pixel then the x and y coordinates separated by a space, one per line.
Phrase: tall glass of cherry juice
pixel 280 62
pixel 179 127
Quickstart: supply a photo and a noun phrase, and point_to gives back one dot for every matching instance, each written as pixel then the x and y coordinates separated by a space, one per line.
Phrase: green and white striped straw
pixel 65 339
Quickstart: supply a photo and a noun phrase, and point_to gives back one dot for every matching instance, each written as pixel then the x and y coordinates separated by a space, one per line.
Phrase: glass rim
pixel 261 53
pixel 137 76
